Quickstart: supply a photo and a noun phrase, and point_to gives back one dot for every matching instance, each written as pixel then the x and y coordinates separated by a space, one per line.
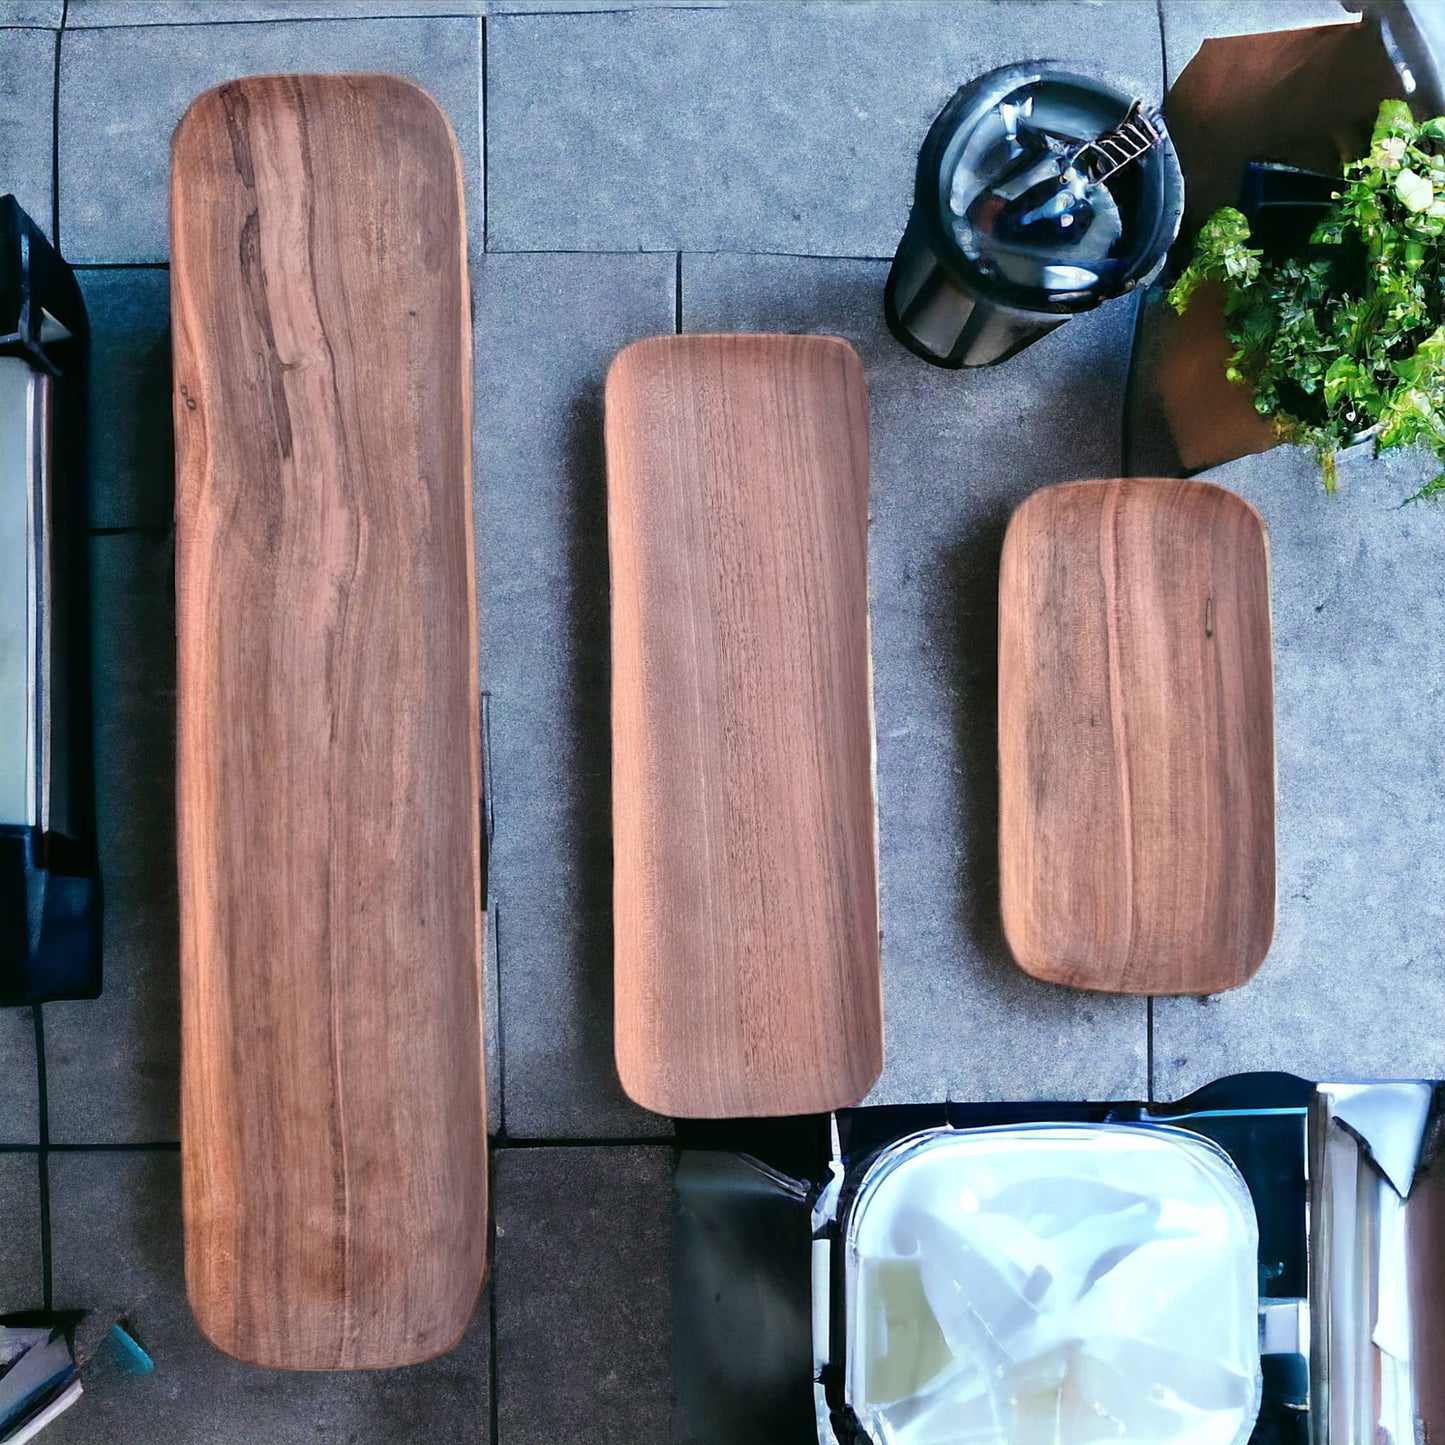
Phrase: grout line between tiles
pixel 677 297
pixel 502 1144
pixel 538 14
pixel 490 250
pixel 489 813
pixel 1131 382
pixel 495 923
pixel 482 117
pixel 120 265
pixel 1149 1045
pixel 493 1374
pixel 277 20
pixel 42 1160
pixel 164 1146
pixel 42 1175
pixel 557 12
pixel 1163 51
pixel 55 142
pixel 616 251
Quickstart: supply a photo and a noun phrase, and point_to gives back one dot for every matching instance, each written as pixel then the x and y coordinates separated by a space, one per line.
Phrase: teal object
pixel 128 1352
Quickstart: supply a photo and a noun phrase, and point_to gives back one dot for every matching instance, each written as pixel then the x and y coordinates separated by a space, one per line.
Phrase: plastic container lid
pixel 1052 1283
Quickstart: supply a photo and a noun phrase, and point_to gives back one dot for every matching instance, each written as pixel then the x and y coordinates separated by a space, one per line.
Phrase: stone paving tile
pixel 1355 983
pixel 112 1062
pixel 92 14
pixel 27 101
pixel 46 13
pixel 22 1284
pixel 756 127
pixel 115 133
pixel 116 1247
pixel 547 328
pixel 583 1282
pixel 20 1091
pixel 952 454
pixel 132 450
pixel 1188 23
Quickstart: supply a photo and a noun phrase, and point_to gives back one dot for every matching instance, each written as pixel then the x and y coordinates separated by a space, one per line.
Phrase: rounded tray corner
pixel 1136 737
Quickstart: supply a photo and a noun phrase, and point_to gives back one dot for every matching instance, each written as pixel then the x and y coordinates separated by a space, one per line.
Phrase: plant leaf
pixel 1347 336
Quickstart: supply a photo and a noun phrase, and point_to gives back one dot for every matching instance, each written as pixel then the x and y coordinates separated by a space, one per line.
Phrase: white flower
pixel 1414 190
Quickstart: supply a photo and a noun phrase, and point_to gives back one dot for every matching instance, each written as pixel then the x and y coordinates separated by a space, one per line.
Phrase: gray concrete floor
pixel 631 169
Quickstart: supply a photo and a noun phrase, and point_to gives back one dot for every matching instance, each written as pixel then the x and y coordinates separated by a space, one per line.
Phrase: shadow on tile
pixel 131 447
pixel 964 627
pixel 112 1062
pixel 1149 448
pixel 588 756
pixel 116 1247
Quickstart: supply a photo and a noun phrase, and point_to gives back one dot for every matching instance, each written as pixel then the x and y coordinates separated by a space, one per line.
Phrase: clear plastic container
pixel 1052 1285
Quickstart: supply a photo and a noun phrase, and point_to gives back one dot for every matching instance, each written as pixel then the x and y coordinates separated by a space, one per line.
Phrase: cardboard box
pixel 1304 98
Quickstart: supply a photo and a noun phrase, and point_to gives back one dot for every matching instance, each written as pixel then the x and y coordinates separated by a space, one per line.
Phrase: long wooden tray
pixel 745 895
pixel 1136 737
pixel 333 1119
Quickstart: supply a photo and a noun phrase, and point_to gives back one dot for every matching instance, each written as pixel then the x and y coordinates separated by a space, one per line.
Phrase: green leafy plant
pixel 1345 340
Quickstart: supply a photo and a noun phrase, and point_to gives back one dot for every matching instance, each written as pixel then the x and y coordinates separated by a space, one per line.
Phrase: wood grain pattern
pixel 333 1120
pixel 1136 737
pixel 745 859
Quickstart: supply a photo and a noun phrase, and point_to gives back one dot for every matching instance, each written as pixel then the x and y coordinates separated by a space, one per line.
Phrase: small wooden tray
pixel 333 1120
pixel 746 892
pixel 1136 737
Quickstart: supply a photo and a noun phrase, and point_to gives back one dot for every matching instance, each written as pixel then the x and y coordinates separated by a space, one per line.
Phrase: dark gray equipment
pixel 49 883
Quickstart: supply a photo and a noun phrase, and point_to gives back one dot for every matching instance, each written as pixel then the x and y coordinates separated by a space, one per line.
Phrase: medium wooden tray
pixel 746 894
pixel 1136 737
pixel 333 1120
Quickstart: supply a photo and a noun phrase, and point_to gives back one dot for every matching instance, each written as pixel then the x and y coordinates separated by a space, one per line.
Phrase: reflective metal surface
pixel 1377 1286
pixel 49 883
pixel 1039 193
pixel 1030 199
pixel 24 593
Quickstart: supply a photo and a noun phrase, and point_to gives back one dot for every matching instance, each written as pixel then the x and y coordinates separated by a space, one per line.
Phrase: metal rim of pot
pixel 938 156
